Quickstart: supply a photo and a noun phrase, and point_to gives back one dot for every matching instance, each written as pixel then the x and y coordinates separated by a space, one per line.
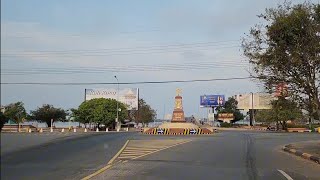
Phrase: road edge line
pixel 162 149
pixel 118 153
pixel 108 164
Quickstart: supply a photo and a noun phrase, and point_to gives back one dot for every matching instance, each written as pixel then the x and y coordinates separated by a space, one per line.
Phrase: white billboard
pixel 128 96
pixel 255 101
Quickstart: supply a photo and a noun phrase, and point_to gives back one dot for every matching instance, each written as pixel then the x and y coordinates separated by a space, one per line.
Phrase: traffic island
pixel 308 150
pixel 178 124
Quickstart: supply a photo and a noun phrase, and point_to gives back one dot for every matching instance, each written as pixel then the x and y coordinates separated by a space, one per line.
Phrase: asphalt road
pixel 11 142
pixel 226 155
pixel 63 158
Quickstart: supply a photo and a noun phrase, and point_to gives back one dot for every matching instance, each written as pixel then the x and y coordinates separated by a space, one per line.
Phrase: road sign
pixel 160 131
pixel 193 131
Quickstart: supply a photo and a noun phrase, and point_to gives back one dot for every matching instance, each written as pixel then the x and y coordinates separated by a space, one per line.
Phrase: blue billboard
pixel 212 100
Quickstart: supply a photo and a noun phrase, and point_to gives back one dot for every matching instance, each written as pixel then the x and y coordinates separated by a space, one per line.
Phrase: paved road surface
pixel 63 159
pixel 227 155
pixel 11 142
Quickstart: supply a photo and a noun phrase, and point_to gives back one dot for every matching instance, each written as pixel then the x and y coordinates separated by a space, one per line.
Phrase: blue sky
pixel 72 26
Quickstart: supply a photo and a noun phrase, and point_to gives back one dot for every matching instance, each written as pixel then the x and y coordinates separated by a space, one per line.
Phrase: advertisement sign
pixel 128 96
pixel 254 101
pixel 225 117
pixel 212 100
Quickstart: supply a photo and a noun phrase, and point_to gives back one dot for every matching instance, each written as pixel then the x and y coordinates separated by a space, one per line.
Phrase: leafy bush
pixel 297 126
pixel 314 127
pixel 224 124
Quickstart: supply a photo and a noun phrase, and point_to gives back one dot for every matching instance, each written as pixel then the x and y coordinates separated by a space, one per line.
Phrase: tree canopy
pixel 100 111
pixel 48 112
pixel 3 120
pixel 15 112
pixel 286 49
pixel 145 114
pixel 282 111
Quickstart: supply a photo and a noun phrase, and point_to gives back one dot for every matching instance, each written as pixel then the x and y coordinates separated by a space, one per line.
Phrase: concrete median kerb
pixel 301 154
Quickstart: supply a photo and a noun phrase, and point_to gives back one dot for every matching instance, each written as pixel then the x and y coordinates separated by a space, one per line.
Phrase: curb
pixel 301 154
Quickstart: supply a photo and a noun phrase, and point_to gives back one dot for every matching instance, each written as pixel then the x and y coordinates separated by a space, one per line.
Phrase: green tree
pixel 100 111
pixel 282 111
pixel 144 114
pixel 285 49
pixel 230 106
pixel 16 112
pixel 3 120
pixel 48 112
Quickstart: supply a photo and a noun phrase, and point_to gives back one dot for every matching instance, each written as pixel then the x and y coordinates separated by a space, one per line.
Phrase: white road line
pixel 285 174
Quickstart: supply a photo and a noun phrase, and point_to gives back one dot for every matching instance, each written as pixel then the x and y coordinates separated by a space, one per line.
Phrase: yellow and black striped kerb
pixel 186 131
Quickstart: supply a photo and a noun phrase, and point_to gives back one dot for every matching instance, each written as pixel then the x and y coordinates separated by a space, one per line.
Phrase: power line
pixel 142 67
pixel 210 43
pixel 125 83
pixel 88 71
pixel 196 63
pixel 66 55
pixel 55 35
pixel 122 51
pixel 133 68
pixel 26 35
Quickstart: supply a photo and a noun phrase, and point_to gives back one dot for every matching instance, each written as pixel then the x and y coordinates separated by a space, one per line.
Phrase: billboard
pixel 128 96
pixel 212 100
pixel 254 101
pixel 225 117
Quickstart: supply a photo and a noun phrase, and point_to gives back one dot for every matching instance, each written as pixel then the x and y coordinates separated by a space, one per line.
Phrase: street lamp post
pixel 117 120
pixel 154 120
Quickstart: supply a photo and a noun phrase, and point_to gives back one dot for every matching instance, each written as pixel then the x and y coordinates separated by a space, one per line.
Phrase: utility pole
pixel 154 120
pixel 19 124
pixel 252 110
pixel 117 120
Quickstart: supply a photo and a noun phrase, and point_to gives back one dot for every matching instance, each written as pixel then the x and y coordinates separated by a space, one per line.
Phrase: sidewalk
pixel 307 149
